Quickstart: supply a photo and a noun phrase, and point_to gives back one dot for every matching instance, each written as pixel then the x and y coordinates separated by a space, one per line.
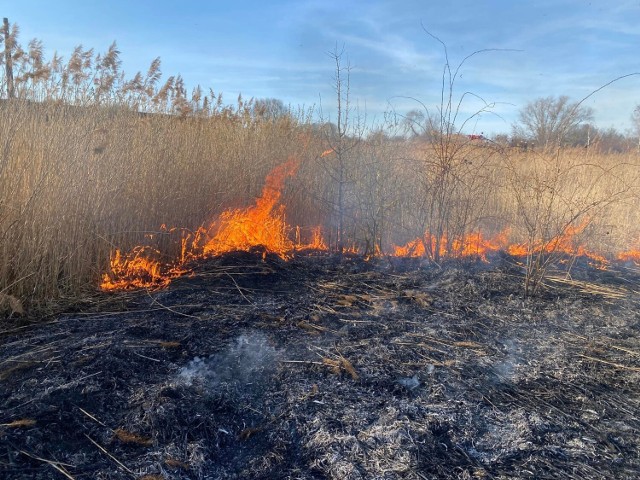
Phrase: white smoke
pixel 245 365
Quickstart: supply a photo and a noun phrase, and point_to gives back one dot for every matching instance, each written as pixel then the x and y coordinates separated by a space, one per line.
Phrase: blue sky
pixel 279 48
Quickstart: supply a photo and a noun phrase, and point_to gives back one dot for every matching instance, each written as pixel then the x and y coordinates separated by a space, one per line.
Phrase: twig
pixel 171 309
pixel 17 281
pixel 308 362
pixel 91 417
pixel 616 347
pixel 56 465
pixel 617 365
pixel 148 358
pixel 102 449
pixel 239 289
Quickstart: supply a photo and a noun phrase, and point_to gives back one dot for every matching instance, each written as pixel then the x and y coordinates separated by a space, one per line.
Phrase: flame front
pixel 260 225
pixel 562 243
pixel 472 245
pixel 264 225
pixel 478 245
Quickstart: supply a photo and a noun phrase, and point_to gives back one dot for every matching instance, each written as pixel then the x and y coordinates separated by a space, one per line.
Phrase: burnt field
pixel 331 367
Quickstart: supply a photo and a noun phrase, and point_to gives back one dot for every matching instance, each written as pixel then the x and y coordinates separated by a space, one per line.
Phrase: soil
pixel 331 367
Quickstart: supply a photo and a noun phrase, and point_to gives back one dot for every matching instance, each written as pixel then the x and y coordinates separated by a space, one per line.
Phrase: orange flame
pixel 561 243
pixel 476 244
pixel 327 152
pixel 138 269
pixel 262 224
pixel 632 255
pixel 414 249
pixel 315 243
pixel 473 244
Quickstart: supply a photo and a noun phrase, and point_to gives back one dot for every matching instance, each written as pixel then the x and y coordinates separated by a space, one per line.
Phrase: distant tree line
pixel 546 122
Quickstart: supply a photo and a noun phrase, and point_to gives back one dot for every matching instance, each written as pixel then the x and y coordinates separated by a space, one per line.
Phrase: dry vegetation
pixel 90 161
pixel 324 364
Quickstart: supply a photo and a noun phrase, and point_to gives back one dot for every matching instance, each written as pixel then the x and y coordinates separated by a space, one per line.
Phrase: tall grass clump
pixel 91 161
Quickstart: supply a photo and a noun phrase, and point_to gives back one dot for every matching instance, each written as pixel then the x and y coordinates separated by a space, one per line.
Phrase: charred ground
pixel 331 367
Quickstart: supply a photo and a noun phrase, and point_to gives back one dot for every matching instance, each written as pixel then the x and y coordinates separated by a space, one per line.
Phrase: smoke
pixel 244 367
pixel 507 369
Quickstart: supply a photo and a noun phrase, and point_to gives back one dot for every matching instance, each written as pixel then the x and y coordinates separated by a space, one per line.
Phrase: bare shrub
pixel 561 196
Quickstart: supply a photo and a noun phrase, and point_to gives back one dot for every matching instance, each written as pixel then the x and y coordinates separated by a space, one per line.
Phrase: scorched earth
pixel 329 366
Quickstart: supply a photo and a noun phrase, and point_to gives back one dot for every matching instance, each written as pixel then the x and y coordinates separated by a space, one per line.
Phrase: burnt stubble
pixel 330 366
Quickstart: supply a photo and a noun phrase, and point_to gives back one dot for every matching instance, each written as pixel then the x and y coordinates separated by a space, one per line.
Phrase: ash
pixel 328 367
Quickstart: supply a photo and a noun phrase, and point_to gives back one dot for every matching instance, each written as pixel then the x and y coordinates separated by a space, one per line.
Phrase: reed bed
pixel 91 161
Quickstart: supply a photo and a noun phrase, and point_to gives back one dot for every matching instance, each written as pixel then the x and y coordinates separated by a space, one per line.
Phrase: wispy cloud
pixel 280 48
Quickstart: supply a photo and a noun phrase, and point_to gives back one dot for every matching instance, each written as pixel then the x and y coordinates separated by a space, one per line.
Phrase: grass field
pixel 91 162
pixel 78 182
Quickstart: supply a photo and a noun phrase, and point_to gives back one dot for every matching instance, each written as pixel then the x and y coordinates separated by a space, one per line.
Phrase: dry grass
pixel 75 183
pixel 83 172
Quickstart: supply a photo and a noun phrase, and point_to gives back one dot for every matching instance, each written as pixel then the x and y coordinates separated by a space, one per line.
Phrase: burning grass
pixel 263 226
pixel 85 182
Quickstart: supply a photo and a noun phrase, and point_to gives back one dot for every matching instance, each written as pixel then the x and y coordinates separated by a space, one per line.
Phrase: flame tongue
pixel 262 224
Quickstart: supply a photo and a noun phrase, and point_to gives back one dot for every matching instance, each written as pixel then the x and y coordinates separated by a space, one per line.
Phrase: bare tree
pixel 550 121
pixel 635 118
pixel 269 109
pixel 344 135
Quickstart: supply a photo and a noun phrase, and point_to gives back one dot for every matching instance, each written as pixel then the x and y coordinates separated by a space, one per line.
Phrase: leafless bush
pixel 560 197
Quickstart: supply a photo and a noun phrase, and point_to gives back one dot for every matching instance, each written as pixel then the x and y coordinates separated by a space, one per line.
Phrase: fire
pixel 262 224
pixel 138 269
pixel 316 241
pixel 630 256
pixel 476 244
pixel 414 248
pixel 327 152
pixel 473 244
pixel 562 243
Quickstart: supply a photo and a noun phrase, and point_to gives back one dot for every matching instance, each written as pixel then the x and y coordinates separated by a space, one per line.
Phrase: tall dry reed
pixel 91 161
